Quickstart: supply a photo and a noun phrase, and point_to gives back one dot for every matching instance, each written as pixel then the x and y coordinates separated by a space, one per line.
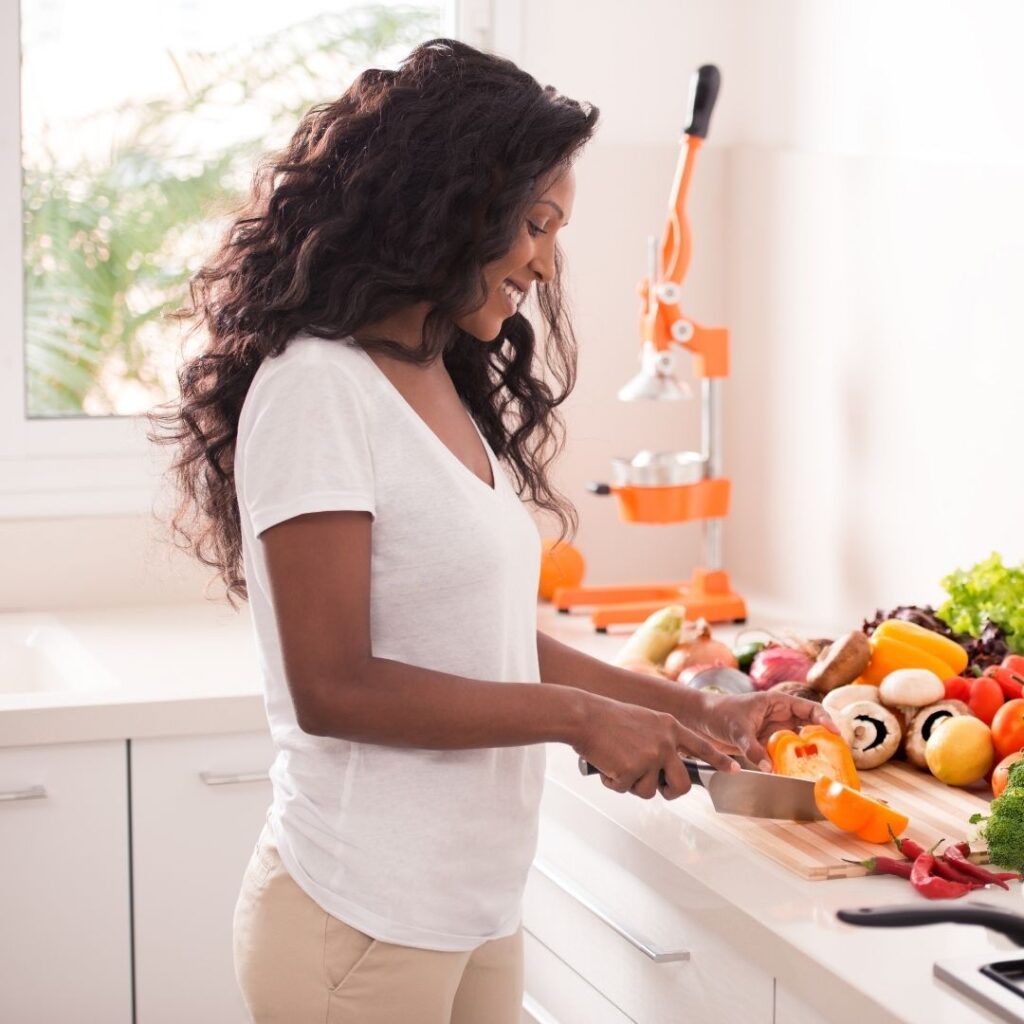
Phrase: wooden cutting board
pixel 815 850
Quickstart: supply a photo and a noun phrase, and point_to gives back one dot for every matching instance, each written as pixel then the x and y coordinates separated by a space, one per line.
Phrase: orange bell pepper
pixel 814 753
pixel 852 811
pixel 896 644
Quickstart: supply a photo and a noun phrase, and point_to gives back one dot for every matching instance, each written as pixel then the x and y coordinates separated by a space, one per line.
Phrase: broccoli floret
pixel 1003 829
pixel 1015 776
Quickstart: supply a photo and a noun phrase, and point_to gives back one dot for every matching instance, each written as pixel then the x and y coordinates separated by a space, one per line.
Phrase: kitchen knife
pixel 749 793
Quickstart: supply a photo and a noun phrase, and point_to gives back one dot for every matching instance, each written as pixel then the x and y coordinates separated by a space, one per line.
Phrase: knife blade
pixel 751 794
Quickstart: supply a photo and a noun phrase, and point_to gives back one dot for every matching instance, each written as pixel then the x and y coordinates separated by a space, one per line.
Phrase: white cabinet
pixel 198 804
pixel 65 916
pixel 655 944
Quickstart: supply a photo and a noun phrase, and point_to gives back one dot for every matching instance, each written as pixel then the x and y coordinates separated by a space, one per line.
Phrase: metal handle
pixel 536 1013
pixel 31 793
pixel 231 778
pixel 581 896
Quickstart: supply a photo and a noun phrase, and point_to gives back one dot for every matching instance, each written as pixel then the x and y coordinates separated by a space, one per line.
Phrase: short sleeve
pixel 305 446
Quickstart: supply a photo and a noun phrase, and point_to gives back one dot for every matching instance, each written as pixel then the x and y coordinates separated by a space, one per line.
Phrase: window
pixel 140 122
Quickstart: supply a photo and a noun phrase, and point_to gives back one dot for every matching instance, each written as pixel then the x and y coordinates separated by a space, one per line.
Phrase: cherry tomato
pixel 1001 772
pixel 1015 663
pixel 958 688
pixel 986 698
pixel 1008 728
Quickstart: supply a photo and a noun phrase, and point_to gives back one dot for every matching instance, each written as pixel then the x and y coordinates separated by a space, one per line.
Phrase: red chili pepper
pixel 1008 876
pixel 963 847
pixel 931 886
pixel 884 866
pixel 944 869
pixel 1010 682
pixel 964 866
pixel 909 848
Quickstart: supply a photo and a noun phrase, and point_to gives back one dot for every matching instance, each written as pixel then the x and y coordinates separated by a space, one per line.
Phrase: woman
pixel 358 440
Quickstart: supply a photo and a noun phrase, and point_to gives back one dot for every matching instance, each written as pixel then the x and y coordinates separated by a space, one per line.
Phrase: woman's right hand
pixel 631 745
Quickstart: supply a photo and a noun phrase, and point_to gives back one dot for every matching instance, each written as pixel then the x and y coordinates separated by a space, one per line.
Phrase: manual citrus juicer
pixel 673 487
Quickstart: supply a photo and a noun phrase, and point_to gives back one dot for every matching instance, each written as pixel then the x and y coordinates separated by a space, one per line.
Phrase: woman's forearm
pixel 395 704
pixel 565 666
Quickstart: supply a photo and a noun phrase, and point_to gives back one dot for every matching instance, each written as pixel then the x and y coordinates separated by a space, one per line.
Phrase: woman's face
pixel 530 260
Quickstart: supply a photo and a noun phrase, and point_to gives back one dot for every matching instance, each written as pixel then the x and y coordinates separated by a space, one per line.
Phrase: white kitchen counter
pixel 186 670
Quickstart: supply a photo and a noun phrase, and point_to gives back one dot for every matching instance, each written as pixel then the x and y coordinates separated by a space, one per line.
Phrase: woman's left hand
pixel 746 721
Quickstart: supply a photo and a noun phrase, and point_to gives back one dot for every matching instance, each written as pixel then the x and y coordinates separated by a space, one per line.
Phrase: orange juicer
pixel 673 487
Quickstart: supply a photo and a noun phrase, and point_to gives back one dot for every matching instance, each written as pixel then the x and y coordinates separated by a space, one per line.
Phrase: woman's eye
pixel 533 229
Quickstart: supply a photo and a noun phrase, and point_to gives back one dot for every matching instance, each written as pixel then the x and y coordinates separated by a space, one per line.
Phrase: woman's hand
pixel 630 745
pixel 745 722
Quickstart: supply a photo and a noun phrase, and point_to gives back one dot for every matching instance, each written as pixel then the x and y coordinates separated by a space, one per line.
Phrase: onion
pixel 779 665
pixel 698 649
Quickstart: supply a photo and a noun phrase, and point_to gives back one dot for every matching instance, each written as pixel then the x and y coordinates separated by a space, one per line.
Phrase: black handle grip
pixel 911 914
pixel 599 488
pixel 692 769
pixel 703 93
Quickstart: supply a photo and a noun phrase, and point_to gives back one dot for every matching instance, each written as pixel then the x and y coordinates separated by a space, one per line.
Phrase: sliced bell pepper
pixel 896 644
pixel 812 754
pixel 852 811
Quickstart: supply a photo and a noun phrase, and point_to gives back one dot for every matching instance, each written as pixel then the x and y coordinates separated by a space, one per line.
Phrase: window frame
pixel 99 466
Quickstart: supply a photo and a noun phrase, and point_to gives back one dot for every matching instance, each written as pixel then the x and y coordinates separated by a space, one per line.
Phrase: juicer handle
pixel 909 914
pixel 703 93
pixel 599 488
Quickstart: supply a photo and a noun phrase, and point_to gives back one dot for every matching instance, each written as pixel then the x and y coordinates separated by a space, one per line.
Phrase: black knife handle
pixel 910 914
pixel 692 769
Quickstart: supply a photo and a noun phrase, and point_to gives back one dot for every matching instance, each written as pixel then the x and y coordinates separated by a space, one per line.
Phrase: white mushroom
pixel 924 724
pixel 911 688
pixel 872 732
pixel 841 696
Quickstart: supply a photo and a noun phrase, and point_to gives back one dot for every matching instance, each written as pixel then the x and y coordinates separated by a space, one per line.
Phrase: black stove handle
pixel 908 914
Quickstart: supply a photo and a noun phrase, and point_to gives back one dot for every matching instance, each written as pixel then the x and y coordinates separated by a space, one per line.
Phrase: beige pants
pixel 296 964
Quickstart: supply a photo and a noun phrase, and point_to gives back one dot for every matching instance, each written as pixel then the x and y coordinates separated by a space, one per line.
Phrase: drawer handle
pixel 31 793
pixel 233 778
pixel 581 896
pixel 536 1013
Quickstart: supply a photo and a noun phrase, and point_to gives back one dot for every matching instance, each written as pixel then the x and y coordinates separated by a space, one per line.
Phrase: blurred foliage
pixel 109 244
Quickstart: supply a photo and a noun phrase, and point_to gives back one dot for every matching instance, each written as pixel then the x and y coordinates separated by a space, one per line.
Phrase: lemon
pixel 960 750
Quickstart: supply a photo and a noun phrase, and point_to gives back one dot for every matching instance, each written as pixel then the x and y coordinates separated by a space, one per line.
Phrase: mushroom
pixel 841 662
pixel 924 725
pixel 911 688
pixel 837 699
pixel 872 732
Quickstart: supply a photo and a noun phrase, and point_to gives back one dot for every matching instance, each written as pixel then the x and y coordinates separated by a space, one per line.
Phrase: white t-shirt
pixel 426 848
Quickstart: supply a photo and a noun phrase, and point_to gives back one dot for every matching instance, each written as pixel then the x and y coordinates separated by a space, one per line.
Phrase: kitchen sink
pixel 38 654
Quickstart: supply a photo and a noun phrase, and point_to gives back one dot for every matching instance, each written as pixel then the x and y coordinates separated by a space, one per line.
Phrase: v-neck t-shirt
pixel 426 848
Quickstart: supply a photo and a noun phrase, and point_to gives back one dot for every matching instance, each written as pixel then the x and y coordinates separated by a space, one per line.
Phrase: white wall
pixel 857 220
pixel 867 223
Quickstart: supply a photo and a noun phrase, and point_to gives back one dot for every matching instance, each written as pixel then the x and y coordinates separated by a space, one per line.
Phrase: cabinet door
pixel 65 925
pixel 198 804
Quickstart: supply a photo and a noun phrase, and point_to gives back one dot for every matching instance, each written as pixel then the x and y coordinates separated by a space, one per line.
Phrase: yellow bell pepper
pixel 896 644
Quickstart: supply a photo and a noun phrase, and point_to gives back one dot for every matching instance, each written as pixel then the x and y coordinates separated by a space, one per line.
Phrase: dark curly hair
pixel 398 192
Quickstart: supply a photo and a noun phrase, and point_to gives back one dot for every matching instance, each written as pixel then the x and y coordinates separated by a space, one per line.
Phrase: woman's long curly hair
pixel 396 193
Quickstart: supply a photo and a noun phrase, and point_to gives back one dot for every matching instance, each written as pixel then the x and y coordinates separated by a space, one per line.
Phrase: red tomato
pixel 958 688
pixel 1001 772
pixel 986 698
pixel 1015 663
pixel 1008 728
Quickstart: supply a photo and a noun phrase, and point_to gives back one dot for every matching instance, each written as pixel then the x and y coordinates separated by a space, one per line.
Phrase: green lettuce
pixel 988 592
